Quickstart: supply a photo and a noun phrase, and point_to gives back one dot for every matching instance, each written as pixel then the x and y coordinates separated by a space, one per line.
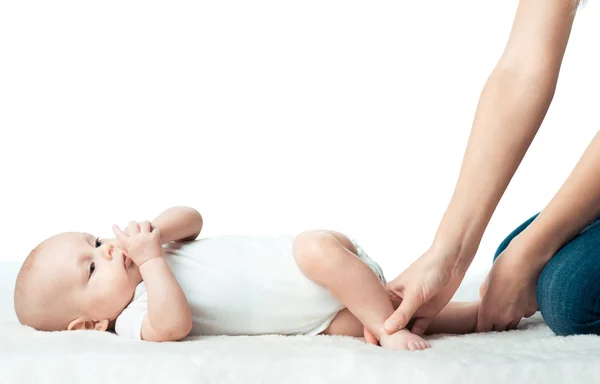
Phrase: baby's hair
pixel 33 306
pixel 22 296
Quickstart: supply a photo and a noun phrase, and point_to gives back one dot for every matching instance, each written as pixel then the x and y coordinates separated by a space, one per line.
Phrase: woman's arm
pixel 511 108
pixel 178 224
pixel 510 288
pixel 574 206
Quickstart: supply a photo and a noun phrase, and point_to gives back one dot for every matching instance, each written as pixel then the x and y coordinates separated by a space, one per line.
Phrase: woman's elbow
pixel 539 73
pixel 531 84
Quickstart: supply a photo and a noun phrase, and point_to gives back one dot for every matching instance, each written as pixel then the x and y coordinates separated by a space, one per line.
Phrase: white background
pixel 267 116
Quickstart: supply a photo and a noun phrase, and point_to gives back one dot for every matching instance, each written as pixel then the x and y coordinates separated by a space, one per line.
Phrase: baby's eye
pixel 98 243
pixel 92 268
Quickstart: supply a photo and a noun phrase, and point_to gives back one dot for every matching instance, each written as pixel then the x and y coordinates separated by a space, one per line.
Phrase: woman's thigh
pixel 568 289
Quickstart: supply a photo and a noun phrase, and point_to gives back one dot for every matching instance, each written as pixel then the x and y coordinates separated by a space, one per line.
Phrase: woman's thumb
pixel 400 318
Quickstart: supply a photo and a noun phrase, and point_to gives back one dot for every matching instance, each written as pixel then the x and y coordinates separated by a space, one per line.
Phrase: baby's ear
pixel 82 323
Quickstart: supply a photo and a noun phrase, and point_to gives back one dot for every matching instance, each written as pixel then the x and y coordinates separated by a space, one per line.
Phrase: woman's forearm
pixel 574 206
pixel 511 108
pixel 510 111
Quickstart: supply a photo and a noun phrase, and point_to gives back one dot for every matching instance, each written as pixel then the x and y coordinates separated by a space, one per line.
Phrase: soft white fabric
pixel 242 285
pixel 532 354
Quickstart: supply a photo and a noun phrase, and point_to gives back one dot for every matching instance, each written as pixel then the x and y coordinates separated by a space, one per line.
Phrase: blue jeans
pixel 568 289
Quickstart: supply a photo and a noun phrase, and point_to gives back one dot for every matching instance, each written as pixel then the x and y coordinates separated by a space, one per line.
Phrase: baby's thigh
pixel 317 252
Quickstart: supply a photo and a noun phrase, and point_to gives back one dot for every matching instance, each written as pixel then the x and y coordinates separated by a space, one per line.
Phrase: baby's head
pixel 74 281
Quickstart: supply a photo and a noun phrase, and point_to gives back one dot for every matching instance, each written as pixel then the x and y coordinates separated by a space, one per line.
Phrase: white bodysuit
pixel 242 285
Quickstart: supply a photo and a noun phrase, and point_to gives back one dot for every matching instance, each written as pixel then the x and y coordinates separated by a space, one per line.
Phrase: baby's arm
pixel 178 224
pixel 169 316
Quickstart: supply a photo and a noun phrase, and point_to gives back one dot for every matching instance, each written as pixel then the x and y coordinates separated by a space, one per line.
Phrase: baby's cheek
pixel 123 286
pixel 112 285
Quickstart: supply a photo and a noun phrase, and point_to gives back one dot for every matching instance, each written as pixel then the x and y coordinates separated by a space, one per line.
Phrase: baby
pixel 157 282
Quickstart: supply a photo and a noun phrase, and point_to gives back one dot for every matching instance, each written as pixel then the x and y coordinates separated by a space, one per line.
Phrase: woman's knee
pixel 568 289
pixel 566 307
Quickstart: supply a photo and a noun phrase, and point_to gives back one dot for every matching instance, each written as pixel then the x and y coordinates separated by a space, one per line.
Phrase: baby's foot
pixel 403 340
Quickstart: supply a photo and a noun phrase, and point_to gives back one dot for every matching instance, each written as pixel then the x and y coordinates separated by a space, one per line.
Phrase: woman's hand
pixel 509 291
pixel 423 290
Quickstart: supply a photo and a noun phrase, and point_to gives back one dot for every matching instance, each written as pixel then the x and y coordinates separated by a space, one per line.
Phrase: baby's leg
pixel 346 324
pixel 456 318
pixel 329 259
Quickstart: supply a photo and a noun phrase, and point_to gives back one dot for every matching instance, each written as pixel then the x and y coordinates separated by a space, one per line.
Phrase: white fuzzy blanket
pixel 531 354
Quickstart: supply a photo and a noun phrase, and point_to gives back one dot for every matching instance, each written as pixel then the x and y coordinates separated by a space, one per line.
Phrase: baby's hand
pixel 141 241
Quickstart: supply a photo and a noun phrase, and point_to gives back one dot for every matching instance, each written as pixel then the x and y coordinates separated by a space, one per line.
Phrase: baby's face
pixel 95 275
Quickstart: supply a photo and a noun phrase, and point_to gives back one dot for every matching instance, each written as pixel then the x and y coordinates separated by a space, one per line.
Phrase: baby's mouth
pixel 126 261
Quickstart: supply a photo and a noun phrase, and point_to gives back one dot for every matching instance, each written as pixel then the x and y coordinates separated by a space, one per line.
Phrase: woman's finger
pixel 513 324
pixel 401 316
pixel 483 287
pixel 529 314
pixel 483 320
pixel 499 327
pixel 421 325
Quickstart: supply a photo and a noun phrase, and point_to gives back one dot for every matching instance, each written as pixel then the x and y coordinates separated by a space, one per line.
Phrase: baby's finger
pixel 145 227
pixel 132 229
pixel 120 235
pixel 156 233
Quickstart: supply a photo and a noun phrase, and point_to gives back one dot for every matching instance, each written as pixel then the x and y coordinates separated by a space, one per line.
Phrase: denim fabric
pixel 568 289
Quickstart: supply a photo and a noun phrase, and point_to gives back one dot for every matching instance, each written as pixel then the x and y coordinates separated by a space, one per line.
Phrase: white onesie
pixel 242 285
